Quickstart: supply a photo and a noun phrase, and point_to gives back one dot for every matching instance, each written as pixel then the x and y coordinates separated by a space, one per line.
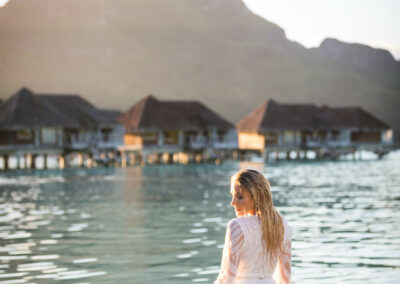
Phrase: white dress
pixel 244 261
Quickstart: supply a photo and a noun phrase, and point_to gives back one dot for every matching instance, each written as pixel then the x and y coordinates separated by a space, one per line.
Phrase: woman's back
pixel 245 259
pixel 257 235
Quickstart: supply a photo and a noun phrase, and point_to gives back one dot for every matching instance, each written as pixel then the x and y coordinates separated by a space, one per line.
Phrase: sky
pixel 372 22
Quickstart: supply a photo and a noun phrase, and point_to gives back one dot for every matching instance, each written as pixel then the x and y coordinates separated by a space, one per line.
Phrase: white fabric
pixel 244 259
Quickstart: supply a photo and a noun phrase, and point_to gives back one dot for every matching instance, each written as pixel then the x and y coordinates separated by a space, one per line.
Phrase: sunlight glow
pixel 372 22
pixel 3 2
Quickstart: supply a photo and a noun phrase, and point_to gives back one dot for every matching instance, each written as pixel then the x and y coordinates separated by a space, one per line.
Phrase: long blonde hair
pixel 271 221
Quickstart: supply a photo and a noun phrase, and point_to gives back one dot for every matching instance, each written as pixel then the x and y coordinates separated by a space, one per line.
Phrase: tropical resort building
pixel 33 125
pixel 175 131
pixel 67 126
pixel 274 128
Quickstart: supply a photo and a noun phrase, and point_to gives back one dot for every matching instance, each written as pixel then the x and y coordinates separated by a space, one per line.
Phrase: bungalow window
pixel 365 137
pixel 335 135
pixel 319 135
pixel 4 137
pixel 305 135
pixel 71 134
pixel 221 135
pixel 150 138
pixel 170 137
pixel 288 137
pixel 49 135
pixel 106 134
pixel 190 135
pixel 206 134
pixel 24 135
pixel 271 138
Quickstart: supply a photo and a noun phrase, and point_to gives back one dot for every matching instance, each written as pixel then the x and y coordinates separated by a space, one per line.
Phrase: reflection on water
pixel 34 235
pixel 166 224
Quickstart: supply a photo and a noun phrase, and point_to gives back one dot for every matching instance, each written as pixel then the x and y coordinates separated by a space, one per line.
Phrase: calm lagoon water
pixel 166 223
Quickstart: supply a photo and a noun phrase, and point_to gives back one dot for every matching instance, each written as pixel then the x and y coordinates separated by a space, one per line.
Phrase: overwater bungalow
pixel 276 127
pixel 170 129
pixel 34 125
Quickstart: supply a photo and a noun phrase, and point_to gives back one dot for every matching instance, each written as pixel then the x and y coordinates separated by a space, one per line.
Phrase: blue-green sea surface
pixel 166 223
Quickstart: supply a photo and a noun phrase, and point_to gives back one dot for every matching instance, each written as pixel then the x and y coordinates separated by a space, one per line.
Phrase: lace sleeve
pixel 234 239
pixel 283 268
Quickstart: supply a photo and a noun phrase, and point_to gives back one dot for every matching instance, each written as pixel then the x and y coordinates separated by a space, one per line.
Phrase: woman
pixel 257 244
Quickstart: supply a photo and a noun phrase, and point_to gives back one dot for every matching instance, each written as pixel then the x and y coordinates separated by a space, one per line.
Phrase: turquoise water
pixel 166 223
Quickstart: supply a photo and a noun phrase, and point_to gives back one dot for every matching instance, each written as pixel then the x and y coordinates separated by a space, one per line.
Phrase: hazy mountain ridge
pixel 218 52
pixel 377 65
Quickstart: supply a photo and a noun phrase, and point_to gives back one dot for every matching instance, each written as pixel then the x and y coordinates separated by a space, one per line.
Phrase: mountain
pixel 377 65
pixel 116 52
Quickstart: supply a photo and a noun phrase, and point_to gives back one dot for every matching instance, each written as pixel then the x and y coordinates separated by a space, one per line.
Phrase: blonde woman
pixel 257 243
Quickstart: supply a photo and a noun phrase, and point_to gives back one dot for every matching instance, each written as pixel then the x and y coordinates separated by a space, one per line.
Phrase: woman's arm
pixel 234 239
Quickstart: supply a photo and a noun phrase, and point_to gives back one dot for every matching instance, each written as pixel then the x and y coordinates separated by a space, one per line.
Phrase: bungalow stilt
pixel 33 162
pixel 5 158
pixel 45 161
pixel 61 162
pixel 26 161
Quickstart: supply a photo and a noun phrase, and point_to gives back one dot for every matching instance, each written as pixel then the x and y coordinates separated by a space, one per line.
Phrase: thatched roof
pixel 272 116
pixel 346 117
pixel 26 110
pixel 150 114
pixel 74 106
pixel 111 115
